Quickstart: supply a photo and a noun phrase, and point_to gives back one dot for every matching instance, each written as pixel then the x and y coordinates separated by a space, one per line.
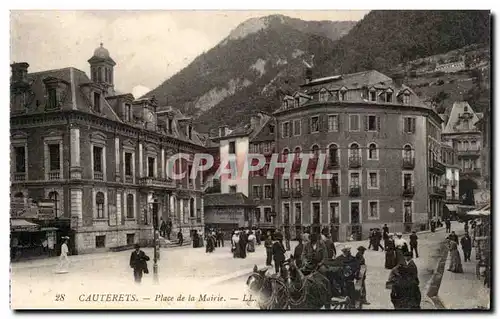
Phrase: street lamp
pixel 154 209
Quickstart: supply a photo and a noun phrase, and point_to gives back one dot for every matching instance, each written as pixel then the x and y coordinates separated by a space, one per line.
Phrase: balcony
pixel 437 191
pixel 156 182
pixel 296 165
pixel 355 161
pixel 469 153
pixel 408 191
pixel 55 175
pixel 285 193
pixel 18 177
pixel 355 191
pixel 315 191
pixel 333 192
pixel 470 171
pixel 408 162
pixel 129 179
pixel 437 167
pixel 453 200
pixel 297 193
pixel 333 162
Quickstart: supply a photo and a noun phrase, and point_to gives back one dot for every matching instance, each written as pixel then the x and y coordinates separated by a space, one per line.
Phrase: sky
pixel 148 46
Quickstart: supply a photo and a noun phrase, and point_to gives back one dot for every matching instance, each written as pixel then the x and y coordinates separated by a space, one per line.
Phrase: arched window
pixel 323 95
pixel 99 201
pixel 315 151
pixel 130 206
pixel 94 74
pixel 466 145
pixel 354 149
pixel 285 154
pixel 333 154
pixel 372 151
pixel 54 196
pixel 99 74
pixel 297 152
pixel 407 152
pixel 191 208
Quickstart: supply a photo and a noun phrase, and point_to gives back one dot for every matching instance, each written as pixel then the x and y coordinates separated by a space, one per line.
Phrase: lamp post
pixel 156 240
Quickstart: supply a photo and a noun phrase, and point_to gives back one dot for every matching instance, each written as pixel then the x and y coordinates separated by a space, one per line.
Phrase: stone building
pixel 383 149
pixel 461 132
pixel 100 155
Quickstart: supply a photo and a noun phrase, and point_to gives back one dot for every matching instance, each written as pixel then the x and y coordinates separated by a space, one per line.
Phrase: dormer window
pixel 51 98
pixel 343 94
pixel 406 98
pixel 296 102
pixel 285 104
pixel 323 95
pixel 128 112
pixel 170 126
pixel 373 95
pixel 97 102
pixel 388 96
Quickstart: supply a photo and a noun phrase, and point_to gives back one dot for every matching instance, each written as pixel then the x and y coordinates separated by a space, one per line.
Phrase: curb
pixel 432 286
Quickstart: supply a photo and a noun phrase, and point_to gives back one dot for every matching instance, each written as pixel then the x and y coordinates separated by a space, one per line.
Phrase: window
pixel 334 213
pixel 286 213
pixel 286 184
pixel 296 127
pixel 473 146
pixel 407 181
pixel 334 183
pixel 388 97
pixel 354 122
pixel 268 215
pixel 371 123
pixel 97 102
pixel 465 109
pixel 372 151
pixel 333 123
pixel 297 184
pixel 466 145
pixel 298 213
pixel 373 209
pixel 151 167
pixel 314 124
pixel 98 159
pixel 257 191
pixel 315 182
pixel 192 212
pixel 54 157
pixel 268 191
pixel 406 98
pixel 354 179
pixel 52 98
pixel 100 241
pixel 130 206
pixel 407 152
pixel 373 96
pixel 54 196
pixel 316 213
pixel 296 102
pixel 408 212
pixel 286 129
pixel 354 150
pixel 373 180
pixel 99 74
pixel 170 126
pixel 315 151
pixel 271 129
pixel 20 159
pixel 323 95
pixel 333 154
pixel 130 239
pixel 232 189
pixel 128 112
pixel 257 214
pixel 99 201
pixel 409 125
pixel 343 95
pixel 128 164
pixel 232 147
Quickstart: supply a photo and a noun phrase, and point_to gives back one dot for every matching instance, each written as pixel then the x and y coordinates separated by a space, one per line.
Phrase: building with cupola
pixel 97 158
pixel 383 151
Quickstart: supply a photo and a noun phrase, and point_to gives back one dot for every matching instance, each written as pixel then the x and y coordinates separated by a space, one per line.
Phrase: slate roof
pixel 233 199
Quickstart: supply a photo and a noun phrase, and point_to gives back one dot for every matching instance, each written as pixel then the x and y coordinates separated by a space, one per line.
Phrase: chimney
pixel 19 73
pixel 222 130
pixel 309 75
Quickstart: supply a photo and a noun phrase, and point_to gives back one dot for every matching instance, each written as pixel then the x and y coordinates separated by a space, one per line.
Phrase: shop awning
pixel 451 208
pixel 483 211
pixel 23 225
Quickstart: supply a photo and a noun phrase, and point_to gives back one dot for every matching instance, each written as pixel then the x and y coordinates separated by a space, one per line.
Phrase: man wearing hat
pixel 278 252
pixel 350 266
pixel 404 284
pixel 138 262
pixel 314 254
pixel 361 259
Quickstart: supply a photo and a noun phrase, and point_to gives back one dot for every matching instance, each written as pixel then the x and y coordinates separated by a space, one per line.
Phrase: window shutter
pixel 378 123
pixel 414 124
pixel 366 123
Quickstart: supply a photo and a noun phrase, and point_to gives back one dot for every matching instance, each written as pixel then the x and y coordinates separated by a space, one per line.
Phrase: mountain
pixel 243 72
pixel 383 39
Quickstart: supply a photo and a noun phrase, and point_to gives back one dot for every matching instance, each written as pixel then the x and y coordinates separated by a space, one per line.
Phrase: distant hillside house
pixel 450 67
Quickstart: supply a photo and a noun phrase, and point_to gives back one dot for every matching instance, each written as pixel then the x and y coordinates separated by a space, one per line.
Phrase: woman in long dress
pixel 455 261
pixel 236 243
pixel 251 242
pixel 390 252
pixel 63 258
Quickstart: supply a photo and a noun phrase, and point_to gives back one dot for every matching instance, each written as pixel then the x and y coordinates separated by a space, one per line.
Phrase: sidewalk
pixel 463 291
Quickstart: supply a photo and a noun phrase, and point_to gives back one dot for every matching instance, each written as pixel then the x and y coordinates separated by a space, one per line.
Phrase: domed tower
pixel 101 69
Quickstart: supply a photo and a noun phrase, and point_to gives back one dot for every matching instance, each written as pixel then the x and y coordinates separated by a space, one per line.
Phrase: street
pixel 204 280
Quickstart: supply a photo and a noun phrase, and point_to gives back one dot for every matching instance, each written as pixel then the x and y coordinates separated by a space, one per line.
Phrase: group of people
pixel 455 260
pixel 243 241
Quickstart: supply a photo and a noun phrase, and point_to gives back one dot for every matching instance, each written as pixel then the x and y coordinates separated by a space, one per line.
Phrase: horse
pixel 271 291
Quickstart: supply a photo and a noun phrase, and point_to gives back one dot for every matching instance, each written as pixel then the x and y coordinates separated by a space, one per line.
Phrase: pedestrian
pixel 210 247
pixel 351 264
pixel 455 261
pixel 404 284
pixel 63 265
pixel 163 228
pixel 361 260
pixel 371 239
pixel 453 237
pixel 243 244
pixel 466 226
pixel 390 252
pixel 297 253
pixel 236 243
pixel 385 234
pixel 287 238
pixel 180 237
pixel 433 225
pixel 258 236
pixel 447 222
pixel 414 244
pixel 138 262
pixel 466 243
pixel 401 246
pixel 220 241
pixel 268 243
pixel 378 239
pixel 329 244
pixel 251 242
pixel 439 224
pixel 314 254
pixel 278 251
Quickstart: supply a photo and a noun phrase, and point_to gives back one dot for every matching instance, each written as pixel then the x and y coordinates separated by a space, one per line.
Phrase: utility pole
pixel 154 207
